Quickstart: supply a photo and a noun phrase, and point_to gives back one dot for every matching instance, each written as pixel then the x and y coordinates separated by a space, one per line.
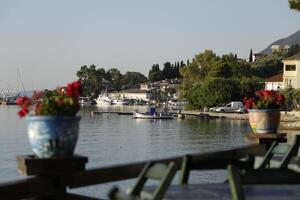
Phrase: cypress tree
pixel 251 56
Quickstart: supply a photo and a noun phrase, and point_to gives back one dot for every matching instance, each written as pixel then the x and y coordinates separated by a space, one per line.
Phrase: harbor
pixel 150 100
pixel 121 139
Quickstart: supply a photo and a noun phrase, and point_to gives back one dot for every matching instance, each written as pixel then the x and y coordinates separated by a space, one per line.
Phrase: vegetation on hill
pixel 211 80
pixel 169 71
pixel 92 79
pixel 269 65
pixel 295 4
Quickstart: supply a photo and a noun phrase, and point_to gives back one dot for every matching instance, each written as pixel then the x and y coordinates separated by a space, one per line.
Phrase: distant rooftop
pixel 275 78
pixel 132 91
pixel 294 57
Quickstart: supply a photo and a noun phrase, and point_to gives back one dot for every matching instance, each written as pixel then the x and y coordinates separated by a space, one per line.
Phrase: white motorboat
pixel 152 114
pixel 121 101
pixel 103 99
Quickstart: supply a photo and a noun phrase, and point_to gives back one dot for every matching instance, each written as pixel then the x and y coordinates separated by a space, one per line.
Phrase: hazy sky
pixel 48 41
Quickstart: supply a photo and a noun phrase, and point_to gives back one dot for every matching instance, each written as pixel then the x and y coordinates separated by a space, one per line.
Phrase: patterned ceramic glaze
pixel 53 136
pixel 264 120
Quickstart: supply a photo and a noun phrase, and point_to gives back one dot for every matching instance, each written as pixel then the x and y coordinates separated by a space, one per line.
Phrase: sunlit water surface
pixel 112 139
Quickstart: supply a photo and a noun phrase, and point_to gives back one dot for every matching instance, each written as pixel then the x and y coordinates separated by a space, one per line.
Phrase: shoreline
pixel 288 120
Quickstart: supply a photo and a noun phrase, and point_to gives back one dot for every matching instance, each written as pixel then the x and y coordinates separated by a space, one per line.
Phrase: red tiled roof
pixel 275 78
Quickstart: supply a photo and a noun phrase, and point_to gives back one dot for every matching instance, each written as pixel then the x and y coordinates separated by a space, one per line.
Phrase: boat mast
pixel 19 79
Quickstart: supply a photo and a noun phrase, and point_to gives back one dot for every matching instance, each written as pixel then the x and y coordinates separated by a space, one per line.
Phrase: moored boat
pixel 152 114
pixel 9 100
pixel 103 99
pixel 121 101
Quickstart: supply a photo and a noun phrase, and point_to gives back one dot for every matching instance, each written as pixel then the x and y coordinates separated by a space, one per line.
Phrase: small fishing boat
pixel 152 114
pixel 121 101
pixel 9 100
pixel 103 99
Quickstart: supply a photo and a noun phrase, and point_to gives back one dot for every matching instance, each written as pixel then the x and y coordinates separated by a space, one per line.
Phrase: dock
pixel 111 112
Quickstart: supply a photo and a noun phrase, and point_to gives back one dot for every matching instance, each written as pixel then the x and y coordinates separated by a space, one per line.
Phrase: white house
pixel 280 48
pixel 145 86
pixel 291 71
pixel 131 94
pixel 274 82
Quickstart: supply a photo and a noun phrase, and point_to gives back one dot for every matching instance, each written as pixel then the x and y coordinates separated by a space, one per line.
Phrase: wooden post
pixel 53 168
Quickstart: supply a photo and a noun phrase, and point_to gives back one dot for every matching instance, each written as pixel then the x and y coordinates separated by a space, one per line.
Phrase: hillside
pixel 292 39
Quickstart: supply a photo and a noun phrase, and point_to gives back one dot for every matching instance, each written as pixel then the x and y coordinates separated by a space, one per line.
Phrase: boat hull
pixel 153 116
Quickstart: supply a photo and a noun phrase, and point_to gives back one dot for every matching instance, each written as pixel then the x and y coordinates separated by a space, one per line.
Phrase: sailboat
pixel 9 98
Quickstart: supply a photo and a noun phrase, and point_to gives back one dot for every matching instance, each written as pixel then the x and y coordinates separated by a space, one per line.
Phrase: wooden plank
pixel 268 135
pixel 185 169
pixel 211 160
pixel 70 196
pixel 31 165
pixel 235 183
pixel 271 176
pixel 28 188
pixel 265 138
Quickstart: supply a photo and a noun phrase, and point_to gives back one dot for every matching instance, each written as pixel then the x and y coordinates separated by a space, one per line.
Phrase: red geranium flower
pixel 264 99
pixel 23 112
pixel 74 89
pixel 52 102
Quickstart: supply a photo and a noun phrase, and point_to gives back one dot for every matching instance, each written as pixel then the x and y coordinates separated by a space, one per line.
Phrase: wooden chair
pixel 286 151
pixel 152 171
pixel 189 164
pixel 237 178
pixel 264 174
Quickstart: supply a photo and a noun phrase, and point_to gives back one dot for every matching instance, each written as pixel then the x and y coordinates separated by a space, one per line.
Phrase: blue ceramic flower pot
pixel 264 120
pixel 53 136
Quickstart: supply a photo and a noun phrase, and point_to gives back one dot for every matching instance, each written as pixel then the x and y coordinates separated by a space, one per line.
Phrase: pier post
pixel 53 169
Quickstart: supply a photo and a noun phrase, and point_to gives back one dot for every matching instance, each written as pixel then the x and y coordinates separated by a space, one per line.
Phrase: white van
pixel 234 106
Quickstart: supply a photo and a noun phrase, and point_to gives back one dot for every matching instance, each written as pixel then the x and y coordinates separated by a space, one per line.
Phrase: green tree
pixel 167 71
pixel 249 85
pixel 220 69
pixel 116 78
pixel 155 74
pixel 91 79
pixel 133 79
pixel 294 4
pixel 251 56
pixel 213 91
pixel 269 65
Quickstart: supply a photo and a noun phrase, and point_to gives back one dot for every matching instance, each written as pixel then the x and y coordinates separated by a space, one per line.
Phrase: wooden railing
pixel 47 184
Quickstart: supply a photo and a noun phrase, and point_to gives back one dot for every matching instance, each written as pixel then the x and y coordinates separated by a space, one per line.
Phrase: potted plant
pixel 53 126
pixel 264 111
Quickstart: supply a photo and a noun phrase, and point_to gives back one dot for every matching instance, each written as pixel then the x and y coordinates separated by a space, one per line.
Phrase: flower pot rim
pixel 51 118
pixel 264 110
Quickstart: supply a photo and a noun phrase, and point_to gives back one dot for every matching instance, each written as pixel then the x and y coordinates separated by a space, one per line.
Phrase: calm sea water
pixel 111 139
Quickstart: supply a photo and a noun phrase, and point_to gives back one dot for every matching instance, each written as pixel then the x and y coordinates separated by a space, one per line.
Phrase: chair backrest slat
pixel 157 171
pixel 281 149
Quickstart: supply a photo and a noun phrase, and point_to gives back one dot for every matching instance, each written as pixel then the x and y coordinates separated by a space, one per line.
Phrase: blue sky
pixel 48 41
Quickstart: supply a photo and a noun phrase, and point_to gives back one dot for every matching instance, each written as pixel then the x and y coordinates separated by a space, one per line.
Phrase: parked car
pixel 213 109
pixel 234 106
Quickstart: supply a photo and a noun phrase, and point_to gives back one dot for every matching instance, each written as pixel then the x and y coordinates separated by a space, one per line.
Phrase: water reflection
pixel 110 138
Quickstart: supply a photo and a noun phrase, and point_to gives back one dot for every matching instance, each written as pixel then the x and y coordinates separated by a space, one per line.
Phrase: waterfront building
pixel 274 82
pixel 291 71
pixel 131 94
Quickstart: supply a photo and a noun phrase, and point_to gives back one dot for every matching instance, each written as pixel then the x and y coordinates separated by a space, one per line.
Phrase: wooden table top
pixel 221 191
pixel 265 138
